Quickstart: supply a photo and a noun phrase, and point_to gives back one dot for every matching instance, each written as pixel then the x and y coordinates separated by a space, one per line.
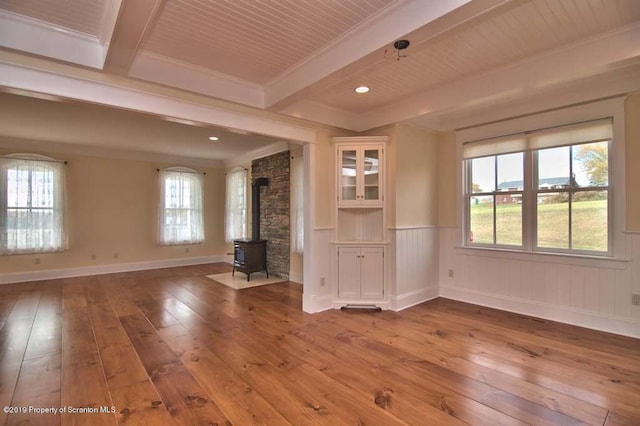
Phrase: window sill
pixel 545 257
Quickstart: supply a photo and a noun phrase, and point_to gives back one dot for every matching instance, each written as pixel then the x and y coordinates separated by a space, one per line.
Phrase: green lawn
pixel 589 224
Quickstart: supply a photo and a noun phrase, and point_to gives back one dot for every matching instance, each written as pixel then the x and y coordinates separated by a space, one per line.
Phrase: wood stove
pixel 251 255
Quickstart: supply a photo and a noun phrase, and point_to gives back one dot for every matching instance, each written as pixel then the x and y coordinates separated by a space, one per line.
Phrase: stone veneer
pixel 274 210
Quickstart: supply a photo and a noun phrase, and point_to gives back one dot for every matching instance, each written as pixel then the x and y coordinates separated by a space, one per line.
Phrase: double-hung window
pixel 180 212
pixel 545 190
pixel 31 204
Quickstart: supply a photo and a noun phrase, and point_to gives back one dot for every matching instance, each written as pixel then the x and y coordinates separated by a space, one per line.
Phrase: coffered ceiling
pixel 303 58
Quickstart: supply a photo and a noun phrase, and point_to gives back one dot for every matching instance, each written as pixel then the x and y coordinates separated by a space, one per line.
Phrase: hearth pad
pixel 240 280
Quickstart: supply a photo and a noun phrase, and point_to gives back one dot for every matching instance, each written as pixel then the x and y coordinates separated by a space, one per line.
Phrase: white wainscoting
pixel 594 295
pixel 83 271
pixel 318 265
pixel 414 266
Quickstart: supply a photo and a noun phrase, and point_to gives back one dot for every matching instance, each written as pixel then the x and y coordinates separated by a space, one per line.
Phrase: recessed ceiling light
pixel 362 89
pixel 213 138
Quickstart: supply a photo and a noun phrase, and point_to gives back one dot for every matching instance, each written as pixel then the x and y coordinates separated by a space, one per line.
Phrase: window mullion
pixel 529 200
pixel 571 192
pixel 495 199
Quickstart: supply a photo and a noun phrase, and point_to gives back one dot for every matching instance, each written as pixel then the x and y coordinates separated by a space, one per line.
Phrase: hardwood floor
pixel 171 346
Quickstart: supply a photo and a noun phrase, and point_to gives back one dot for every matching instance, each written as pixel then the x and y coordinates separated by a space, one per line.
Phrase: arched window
pixel 180 211
pixel 32 200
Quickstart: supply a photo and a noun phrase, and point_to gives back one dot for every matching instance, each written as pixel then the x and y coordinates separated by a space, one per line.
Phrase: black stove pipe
pixel 255 206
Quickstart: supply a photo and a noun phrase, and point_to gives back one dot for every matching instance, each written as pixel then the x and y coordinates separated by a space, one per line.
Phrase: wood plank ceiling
pixel 253 41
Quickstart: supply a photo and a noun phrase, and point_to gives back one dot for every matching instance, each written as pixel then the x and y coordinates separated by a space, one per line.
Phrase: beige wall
pixel 324 178
pixel 112 208
pixel 447 178
pixel 416 177
pixel 632 165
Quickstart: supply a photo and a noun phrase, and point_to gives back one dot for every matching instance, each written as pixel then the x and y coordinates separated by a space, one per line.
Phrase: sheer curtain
pixel 236 206
pixel 180 218
pixel 297 205
pixel 32 204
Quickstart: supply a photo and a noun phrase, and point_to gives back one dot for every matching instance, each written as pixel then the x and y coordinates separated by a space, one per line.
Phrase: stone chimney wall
pixel 274 210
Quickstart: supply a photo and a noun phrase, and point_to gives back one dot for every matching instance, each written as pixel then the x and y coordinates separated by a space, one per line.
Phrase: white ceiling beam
pixel 404 17
pixel 110 12
pixel 135 18
pixel 19 77
pixel 161 70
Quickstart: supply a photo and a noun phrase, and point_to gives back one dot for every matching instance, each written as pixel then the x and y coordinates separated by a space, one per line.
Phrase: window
pixel 544 190
pixel 31 204
pixel 180 218
pixel 236 205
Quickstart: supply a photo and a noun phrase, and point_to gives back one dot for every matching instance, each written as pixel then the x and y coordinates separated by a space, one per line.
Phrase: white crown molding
pixel 548 71
pixel 162 70
pixel 34 36
pixel 83 271
pixel 266 151
pixel 22 77
pixel 390 24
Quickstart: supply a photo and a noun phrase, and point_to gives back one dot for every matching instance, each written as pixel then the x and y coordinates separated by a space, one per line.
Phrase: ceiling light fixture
pixel 361 89
pixel 213 138
pixel 401 45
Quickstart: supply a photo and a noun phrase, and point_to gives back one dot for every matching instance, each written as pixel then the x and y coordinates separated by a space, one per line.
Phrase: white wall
pixel 586 293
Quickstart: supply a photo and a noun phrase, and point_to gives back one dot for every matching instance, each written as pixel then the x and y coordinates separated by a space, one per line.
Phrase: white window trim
pixel 608 108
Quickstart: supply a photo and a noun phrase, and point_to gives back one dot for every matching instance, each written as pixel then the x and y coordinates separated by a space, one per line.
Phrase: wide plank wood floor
pixel 171 346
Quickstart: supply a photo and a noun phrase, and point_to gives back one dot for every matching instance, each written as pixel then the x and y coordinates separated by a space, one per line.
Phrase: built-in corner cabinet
pixel 360 239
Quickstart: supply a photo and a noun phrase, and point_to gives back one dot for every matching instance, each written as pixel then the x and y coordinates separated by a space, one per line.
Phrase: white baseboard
pixel 314 304
pixel 83 271
pixel 324 303
pixel 407 300
pixel 586 319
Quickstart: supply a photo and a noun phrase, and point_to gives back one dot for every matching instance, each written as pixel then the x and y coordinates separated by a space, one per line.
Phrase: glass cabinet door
pixel 348 175
pixel 371 170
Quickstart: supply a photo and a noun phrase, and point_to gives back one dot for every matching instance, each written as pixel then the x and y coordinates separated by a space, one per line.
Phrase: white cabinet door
pixel 348 176
pixel 361 273
pixel 360 175
pixel 371 176
pixel 348 272
pixel 371 273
